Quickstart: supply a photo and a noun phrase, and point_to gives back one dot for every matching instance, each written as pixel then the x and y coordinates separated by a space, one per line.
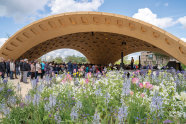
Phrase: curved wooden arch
pixel 109 30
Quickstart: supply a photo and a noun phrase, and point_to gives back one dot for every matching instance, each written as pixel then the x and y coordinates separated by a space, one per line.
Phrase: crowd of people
pixel 33 69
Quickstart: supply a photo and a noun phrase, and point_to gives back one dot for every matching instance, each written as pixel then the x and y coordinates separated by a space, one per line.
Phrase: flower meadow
pixel 113 97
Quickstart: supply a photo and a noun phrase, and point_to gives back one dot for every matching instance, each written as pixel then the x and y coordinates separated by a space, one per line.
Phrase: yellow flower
pixel 77 72
pixel 149 72
pixel 68 72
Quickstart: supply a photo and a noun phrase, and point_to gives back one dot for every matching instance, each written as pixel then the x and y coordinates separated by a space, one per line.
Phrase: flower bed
pixel 116 97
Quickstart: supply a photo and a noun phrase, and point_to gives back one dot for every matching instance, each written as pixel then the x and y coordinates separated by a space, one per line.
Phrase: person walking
pixel 12 69
pixel 2 67
pixel 132 63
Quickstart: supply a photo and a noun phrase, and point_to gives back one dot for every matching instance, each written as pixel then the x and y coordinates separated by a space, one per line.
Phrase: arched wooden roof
pixel 97 35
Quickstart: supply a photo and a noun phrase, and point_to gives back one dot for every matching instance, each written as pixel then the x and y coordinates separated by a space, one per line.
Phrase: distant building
pixel 150 58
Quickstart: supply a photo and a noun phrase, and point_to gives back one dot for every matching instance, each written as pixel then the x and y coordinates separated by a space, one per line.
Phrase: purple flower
pixel 47 107
pixel 1 88
pixel 36 99
pixel 18 87
pixel 79 104
pixel 9 90
pixel 52 101
pixel 40 88
pixel 96 118
pixel 50 115
pixel 156 103
pixel 22 105
pixel 4 109
pixel 167 122
pixel 122 113
pixel 74 114
pixel 5 81
pixel 57 119
pixel 98 92
pixel 126 88
pixel 12 100
pixel 28 99
pixel 34 83
pixel 45 99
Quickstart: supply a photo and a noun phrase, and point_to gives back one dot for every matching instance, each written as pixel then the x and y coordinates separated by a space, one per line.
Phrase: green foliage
pixel 160 55
pixel 107 96
pixel 136 62
pixel 76 59
pixel 183 66
pixel 58 60
pixel 125 60
pixel 6 90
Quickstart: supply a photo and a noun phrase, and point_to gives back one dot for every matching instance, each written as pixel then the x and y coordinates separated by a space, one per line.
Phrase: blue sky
pixel 167 14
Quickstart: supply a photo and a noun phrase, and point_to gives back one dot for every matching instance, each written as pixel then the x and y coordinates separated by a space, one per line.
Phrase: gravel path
pixel 25 87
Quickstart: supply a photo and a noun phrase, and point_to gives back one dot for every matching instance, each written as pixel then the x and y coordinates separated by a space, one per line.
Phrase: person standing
pixel 26 69
pixel 16 69
pixel 75 67
pixel 132 63
pixel 21 69
pixel 12 69
pixel 33 70
pixel 69 67
pixel 8 67
pixel 38 69
pixel 42 69
pixel 2 67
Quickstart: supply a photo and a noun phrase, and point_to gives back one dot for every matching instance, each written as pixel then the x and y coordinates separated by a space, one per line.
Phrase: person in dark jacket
pixel 17 68
pixel 26 69
pixel 58 69
pixel 70 67
pixel 75 67
pixel 2 67
pixel 8 68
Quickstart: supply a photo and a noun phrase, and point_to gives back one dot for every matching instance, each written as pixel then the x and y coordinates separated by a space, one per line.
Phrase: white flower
pixel 58 79
pixel 181 97
pixel 156 88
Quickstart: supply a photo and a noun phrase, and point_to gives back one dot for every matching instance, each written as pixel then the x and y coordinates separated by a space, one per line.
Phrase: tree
pixel 136 62
pixel 58 60
pixel 125 60
pixel 160 56
pixel 76 59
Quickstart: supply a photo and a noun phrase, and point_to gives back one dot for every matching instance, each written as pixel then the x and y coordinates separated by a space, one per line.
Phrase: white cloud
pixel 24 10
pixel 134 55
pixel 62 53
pixel 182 20
pixel 2 41
pixel 166 4
pixel 146 15
pixel 59 6
pixel 184 39
pixel 21 10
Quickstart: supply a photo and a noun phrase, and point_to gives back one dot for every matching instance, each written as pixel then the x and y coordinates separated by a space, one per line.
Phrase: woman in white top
pixel 12 69
pixel 38 69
